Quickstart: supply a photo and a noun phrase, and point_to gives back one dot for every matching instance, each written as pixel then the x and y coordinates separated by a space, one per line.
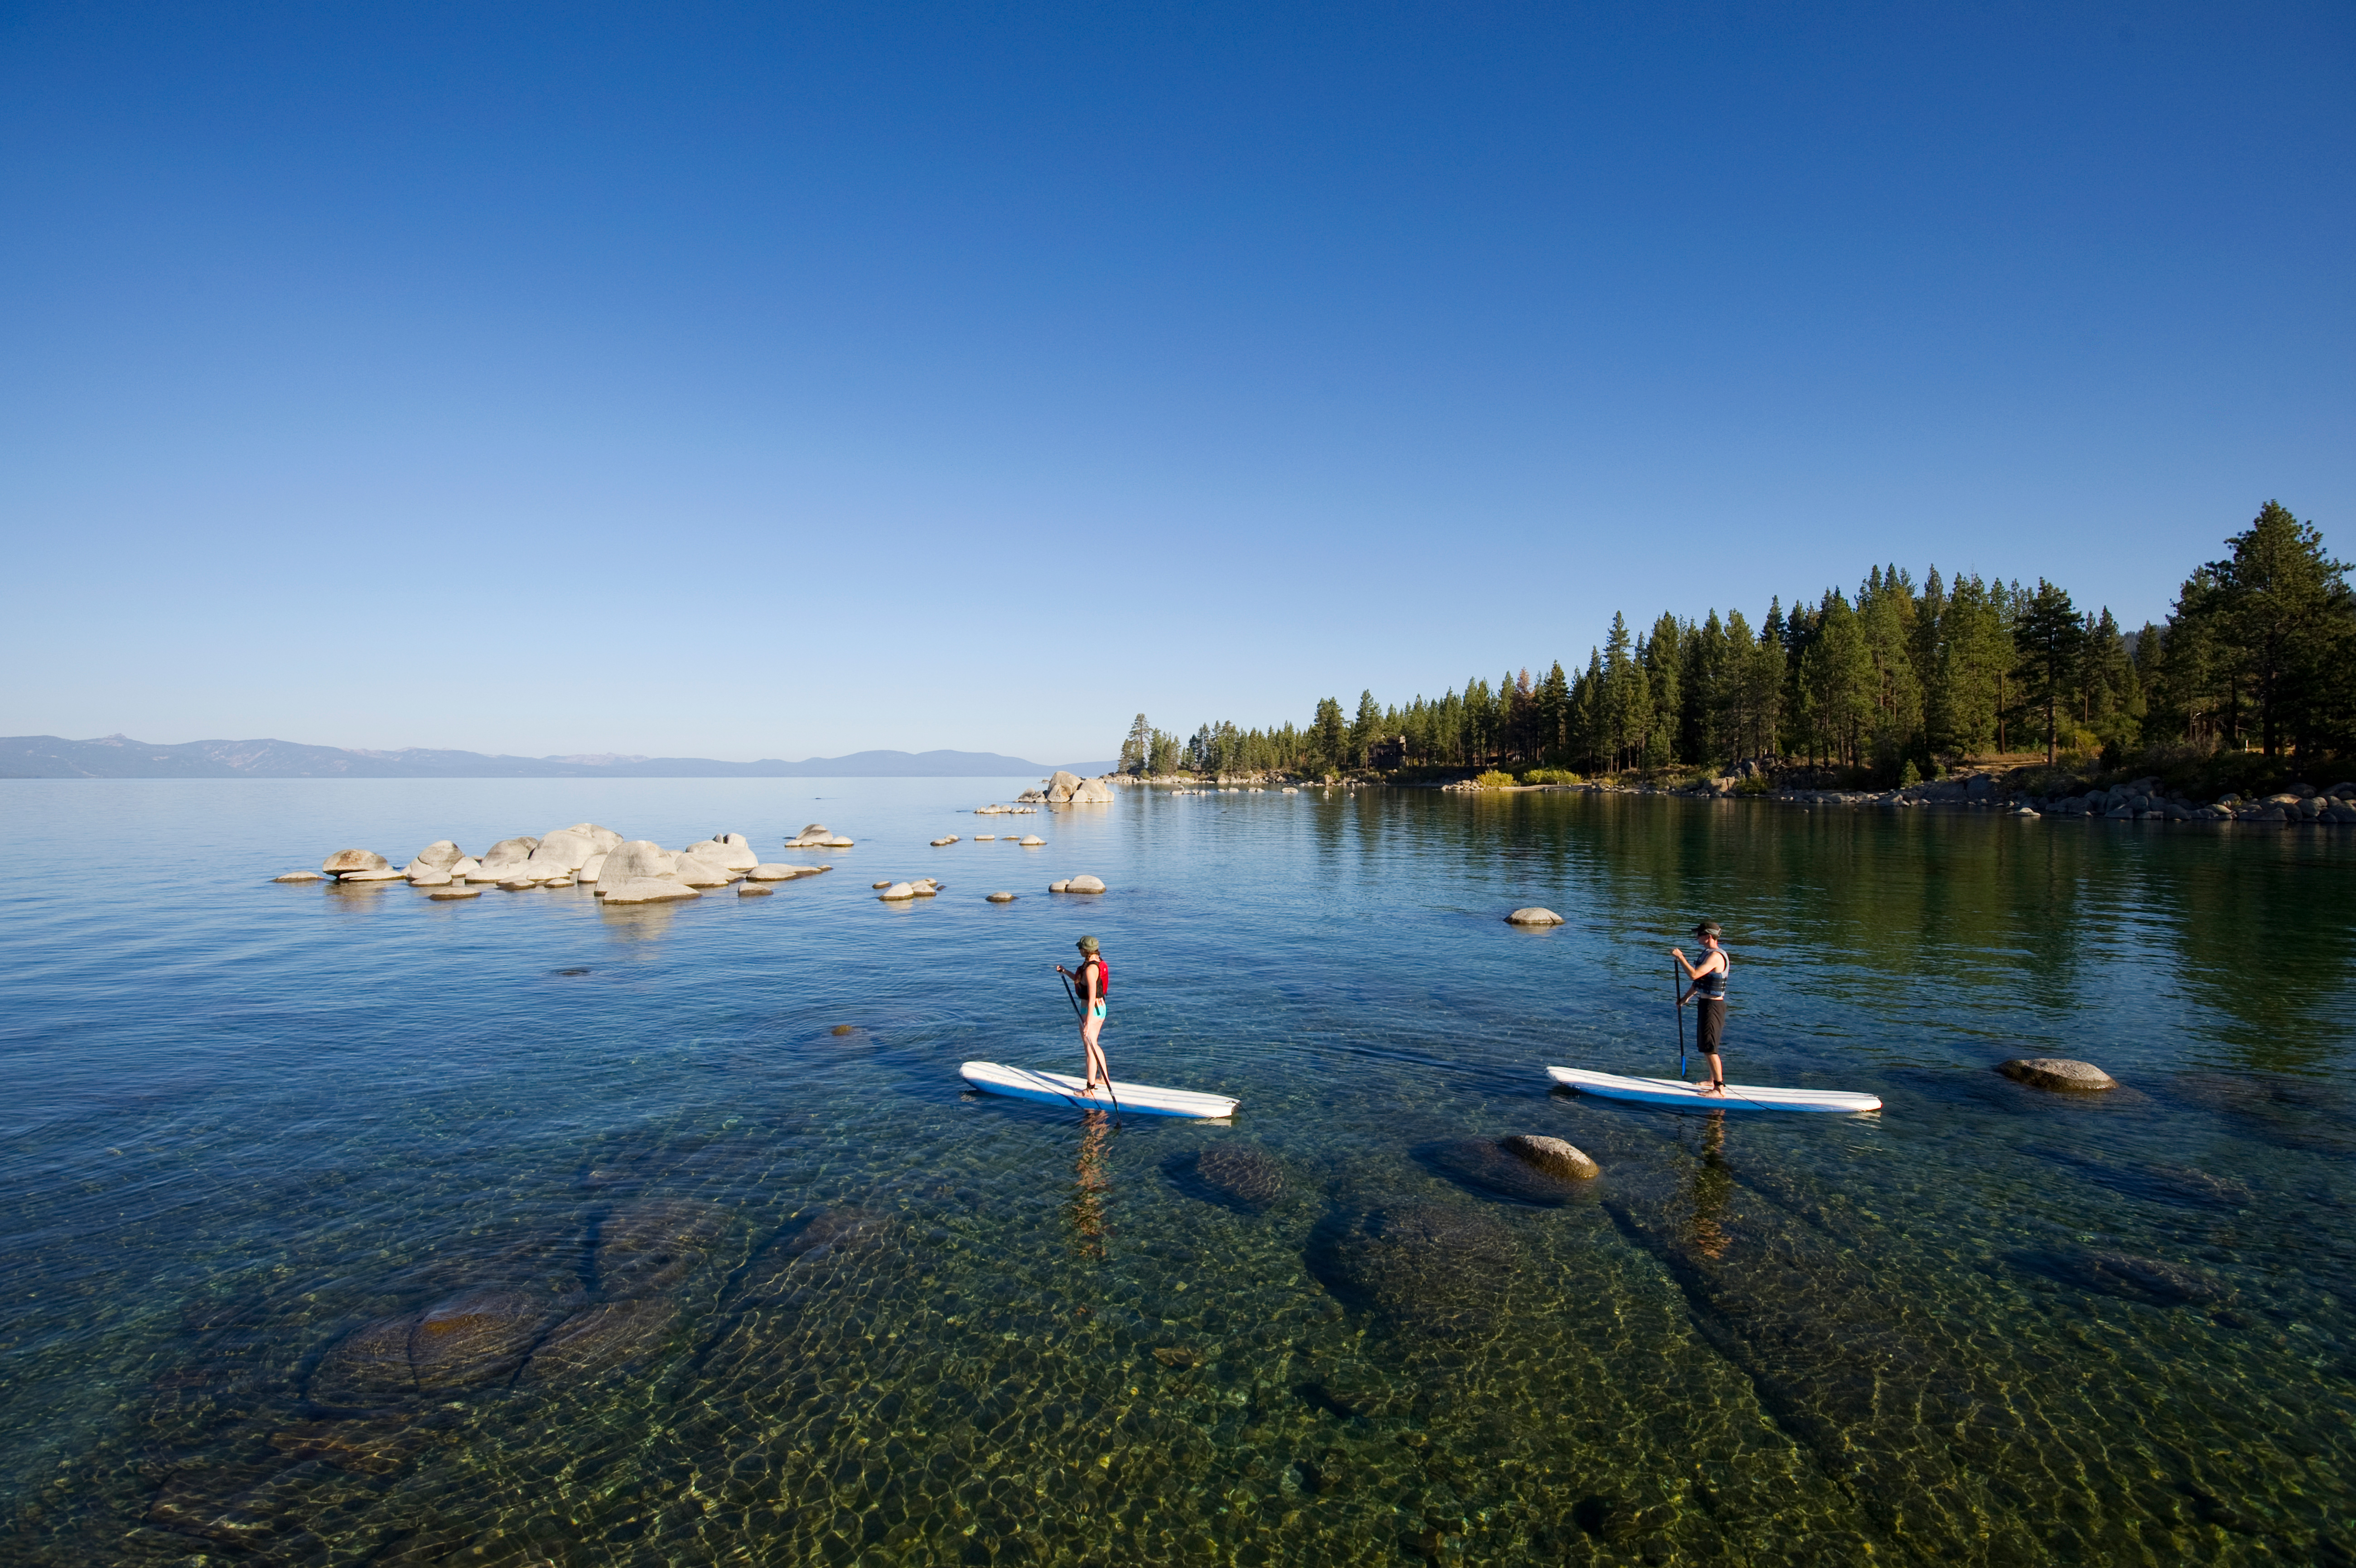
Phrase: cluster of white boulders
pixel 1070 789
pixel 817 835
pixel 1007 810
pixel 922 888
pixel 1081 884
pixel 623 871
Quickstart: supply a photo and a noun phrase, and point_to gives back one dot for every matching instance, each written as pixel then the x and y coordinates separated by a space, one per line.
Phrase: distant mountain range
pixel 119 757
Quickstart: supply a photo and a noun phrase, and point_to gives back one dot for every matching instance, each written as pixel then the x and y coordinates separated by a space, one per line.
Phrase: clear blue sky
pixel 784 381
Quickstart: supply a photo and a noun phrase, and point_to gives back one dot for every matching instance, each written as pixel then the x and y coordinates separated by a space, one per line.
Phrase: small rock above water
pixel 1534 916
pixel 358 866
pixel 1002 898
pixel 771 872
pixel 1483 1165
pixel 1552 1156
pixel 754 890
pixel 302 877
pixel 2057 1073
pixel 1085 884
pixel 644 890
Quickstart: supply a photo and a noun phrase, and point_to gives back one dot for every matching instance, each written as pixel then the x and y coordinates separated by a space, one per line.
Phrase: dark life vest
pixel 1104 977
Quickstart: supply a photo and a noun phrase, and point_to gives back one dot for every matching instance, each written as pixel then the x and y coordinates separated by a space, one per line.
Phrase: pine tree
pixel 1135 750
pixel 1364 728
pixel 2052 641
pixel 2283 617
pixel 1330 737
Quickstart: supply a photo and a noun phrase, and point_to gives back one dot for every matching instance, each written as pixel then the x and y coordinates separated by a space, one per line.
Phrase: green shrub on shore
pixel 1550 776
pixel 1493 779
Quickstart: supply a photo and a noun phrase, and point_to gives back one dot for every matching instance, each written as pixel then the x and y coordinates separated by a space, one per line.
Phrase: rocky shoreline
pixel 2141 800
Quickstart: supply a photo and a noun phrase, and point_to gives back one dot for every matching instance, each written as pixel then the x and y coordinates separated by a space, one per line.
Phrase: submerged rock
pixel 370 1365
pixel 2057 1073
pixel 1427 1268
pixel 455 891
pixel 597 1339
pixel 1237 1175
pixel 2128 1277
pixel 650 1247
pixel 771 872
pixel 754 890
pixel 473 1338
pixel 302 877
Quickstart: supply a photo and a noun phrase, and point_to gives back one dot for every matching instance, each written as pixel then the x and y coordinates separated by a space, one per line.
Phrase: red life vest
pixel 1104 977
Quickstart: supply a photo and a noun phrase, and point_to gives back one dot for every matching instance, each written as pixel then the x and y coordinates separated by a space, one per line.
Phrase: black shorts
pixel 1709 1024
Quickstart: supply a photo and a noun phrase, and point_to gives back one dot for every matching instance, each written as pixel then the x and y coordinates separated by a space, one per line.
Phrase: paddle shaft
pixel 1073 997
pixel 1678 1002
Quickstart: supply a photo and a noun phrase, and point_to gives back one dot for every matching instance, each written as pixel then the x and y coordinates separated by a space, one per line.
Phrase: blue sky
pixel 778 381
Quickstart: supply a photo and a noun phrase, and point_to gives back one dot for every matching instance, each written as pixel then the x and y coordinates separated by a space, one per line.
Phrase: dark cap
pixel 1707 928
pixel 1086 944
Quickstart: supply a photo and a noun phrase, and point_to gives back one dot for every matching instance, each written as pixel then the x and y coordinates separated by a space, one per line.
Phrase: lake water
pixel 721 1265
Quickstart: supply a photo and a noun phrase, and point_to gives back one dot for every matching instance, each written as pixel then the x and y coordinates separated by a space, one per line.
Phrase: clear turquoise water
pixel 719 1284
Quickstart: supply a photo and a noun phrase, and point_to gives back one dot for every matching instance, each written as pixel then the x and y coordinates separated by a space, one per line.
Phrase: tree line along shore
pixel 2248 687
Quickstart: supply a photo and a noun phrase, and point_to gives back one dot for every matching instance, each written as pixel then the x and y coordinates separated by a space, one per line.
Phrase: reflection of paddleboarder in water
pixel 1091 1179
pixel 1713 1184
pixel 1708 978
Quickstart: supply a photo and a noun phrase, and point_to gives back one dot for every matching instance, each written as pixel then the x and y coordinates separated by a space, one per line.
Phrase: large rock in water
pixel 1094 792
pixel 441 853
pixel 732 851
pixel 474 1337
pixel 651 1247
pixel 563 850
pixel 1483 1165
pixel 1534 916
pixel 1552 1156
pixel 477 1338
pixel 815 835
pixel 502 859
pixel 467 869
pixel 1060 787
pixel 643 891
pixel 598 1340
pixel 1424 1268
pixel 421 875
pixel 2057 1073
pixel 698 872
pixel 639 858
pixel 603 838
pixel 590 872
pixel 357 864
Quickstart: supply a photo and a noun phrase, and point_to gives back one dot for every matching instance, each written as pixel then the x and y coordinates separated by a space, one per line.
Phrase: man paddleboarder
pixel 1094 981
pixel 1708 978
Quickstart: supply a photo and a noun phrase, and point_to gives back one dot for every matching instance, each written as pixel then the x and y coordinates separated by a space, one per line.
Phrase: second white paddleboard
pixel 1063 1089
pixel 1689 1096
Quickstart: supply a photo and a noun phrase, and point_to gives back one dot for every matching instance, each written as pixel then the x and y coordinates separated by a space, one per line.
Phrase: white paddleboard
pixel 1062 1089
pixel 1688 1096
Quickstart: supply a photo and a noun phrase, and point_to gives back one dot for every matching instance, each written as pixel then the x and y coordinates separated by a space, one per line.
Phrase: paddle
pixel 1073 997
pixel 1678 1001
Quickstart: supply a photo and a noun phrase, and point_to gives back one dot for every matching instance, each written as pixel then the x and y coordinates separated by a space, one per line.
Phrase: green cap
pixel 1086 945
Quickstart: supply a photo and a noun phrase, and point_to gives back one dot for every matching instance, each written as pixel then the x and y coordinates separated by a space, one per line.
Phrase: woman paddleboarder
pixel 1094 980
pixel 1708 978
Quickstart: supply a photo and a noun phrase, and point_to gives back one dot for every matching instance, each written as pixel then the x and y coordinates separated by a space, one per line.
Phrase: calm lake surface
pixel 707 1276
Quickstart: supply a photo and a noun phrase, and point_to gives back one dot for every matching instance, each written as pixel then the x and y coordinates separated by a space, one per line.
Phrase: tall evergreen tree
pixel 2283 612
pixel 2051 639
pixel 1136 751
